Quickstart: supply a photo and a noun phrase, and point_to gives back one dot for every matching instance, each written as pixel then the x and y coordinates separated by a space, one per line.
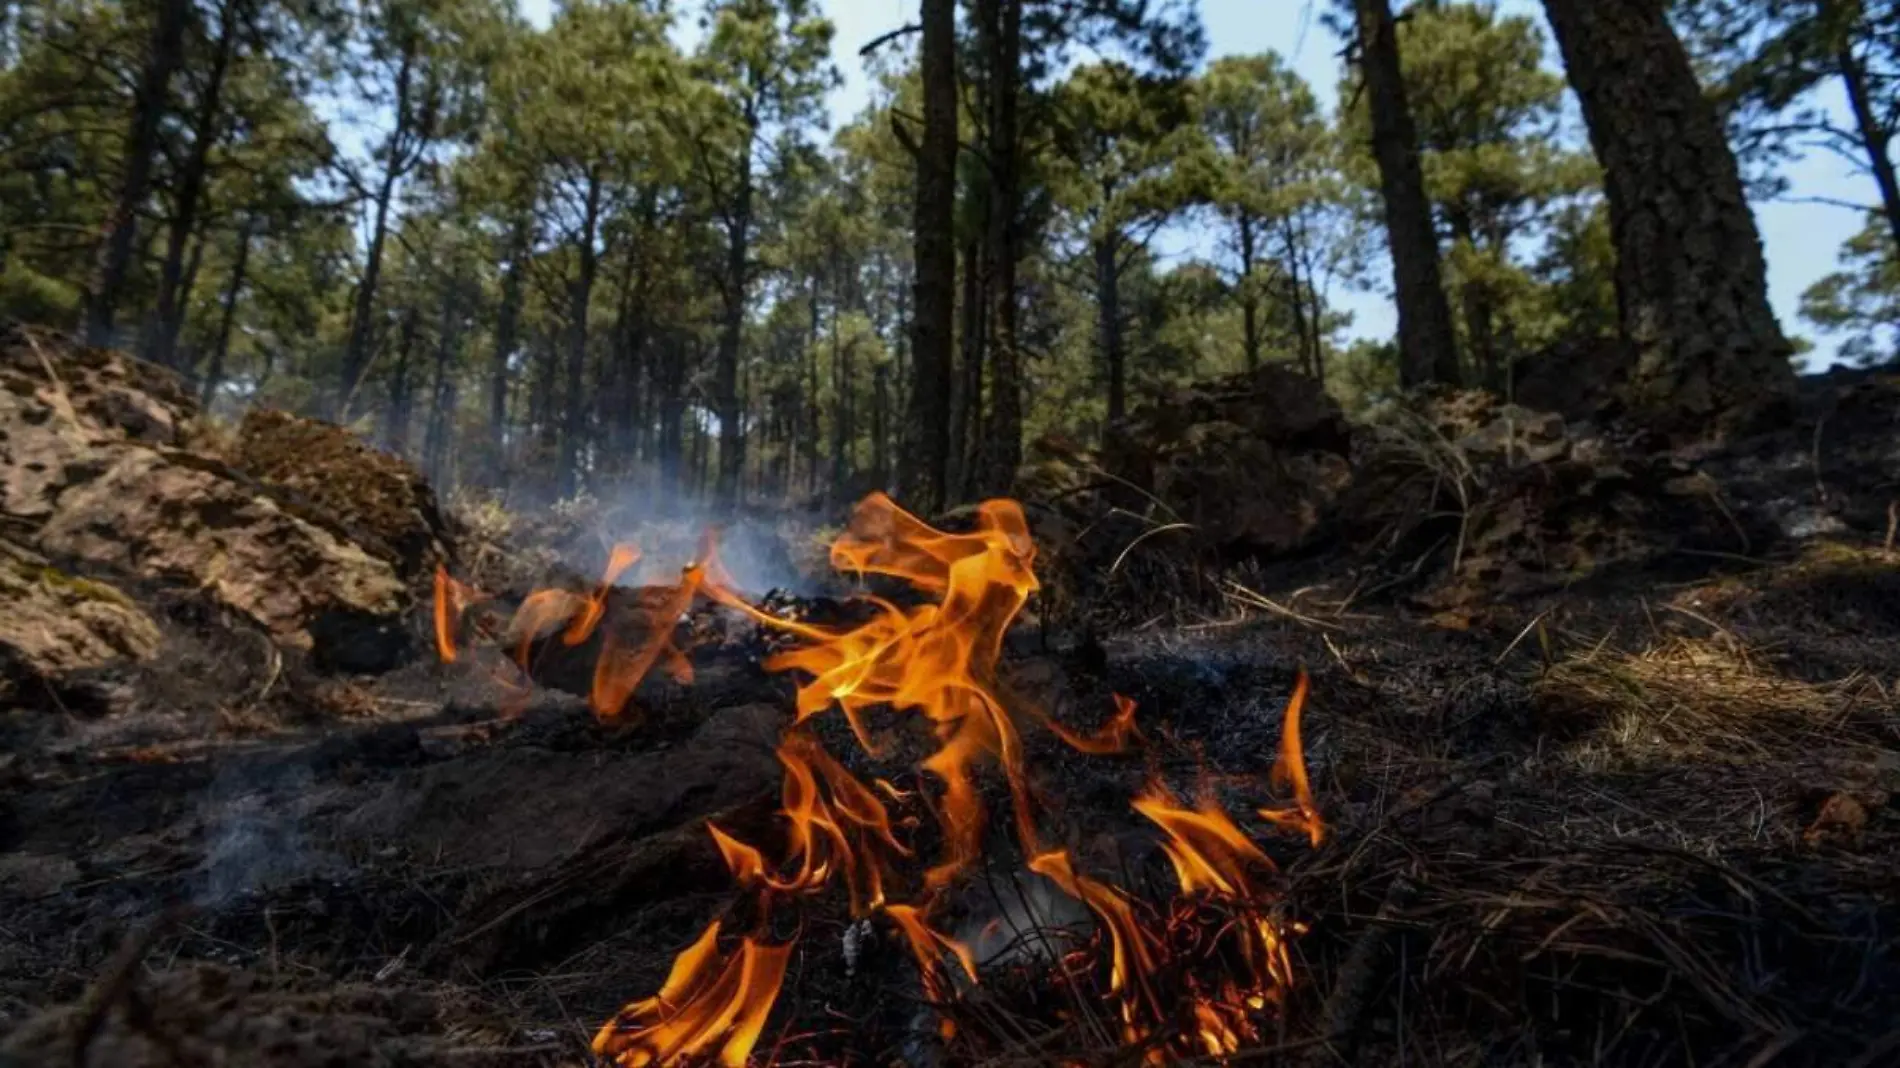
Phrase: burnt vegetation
pixel 520 545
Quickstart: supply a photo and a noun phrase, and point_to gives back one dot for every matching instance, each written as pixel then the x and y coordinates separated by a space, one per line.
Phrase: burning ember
pixel 1196 975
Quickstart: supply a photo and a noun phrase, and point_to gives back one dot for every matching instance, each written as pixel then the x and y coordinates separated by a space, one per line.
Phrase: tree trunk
pixel 1873 139
pixel 356 351
pixel 581 298
pixel 967 398
pixel 398 415
pixel 881 424
pixel 507 339
pixel 1427 344
pixel 205 133
pixel 1108 301
pixel 439 427
pixel 812 444
pixel 927 438
pixel 149 102
pixel 1249 299
pixel 726 385
pixel 214 375
pixel 1001 31
pixel 1691 282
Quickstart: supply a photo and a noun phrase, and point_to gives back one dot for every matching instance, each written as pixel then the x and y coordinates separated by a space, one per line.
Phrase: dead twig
pixel 115 980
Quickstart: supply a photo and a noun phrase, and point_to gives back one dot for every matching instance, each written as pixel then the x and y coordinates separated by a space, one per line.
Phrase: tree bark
pixel 149 102
pixel 1249 299
pixel 173 289
pixel 1108 303
pixel 933 323
pixel 1873 138
pixel 1427 344
pixel 507 339
pixel 356 350
pixel 398 416
pixel 581 299
pixel 1691 281
pixel 726 386
pixel 1002 46
pixel 214 375
pixel 967 395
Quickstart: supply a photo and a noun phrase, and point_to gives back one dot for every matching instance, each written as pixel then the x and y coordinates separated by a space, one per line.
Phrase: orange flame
pixel 1115 736
pixel 939 659
pixel 1289 772
pixel 708 1005
pixel 624 556
pixel 1217 951
pixel 451 599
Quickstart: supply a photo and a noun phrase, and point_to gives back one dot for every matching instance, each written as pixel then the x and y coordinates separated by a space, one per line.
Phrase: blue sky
pixel 1802 239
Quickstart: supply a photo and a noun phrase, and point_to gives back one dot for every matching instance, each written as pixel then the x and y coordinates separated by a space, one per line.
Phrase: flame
pixel 620 668
pixel 451 599
pixel 1116 736
pixel 1289 772
pixel 1191 977
pixel 624 556
pixel 709 1004
pixel 937 659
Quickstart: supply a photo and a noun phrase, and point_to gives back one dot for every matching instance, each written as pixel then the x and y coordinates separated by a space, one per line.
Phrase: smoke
pixel 253 840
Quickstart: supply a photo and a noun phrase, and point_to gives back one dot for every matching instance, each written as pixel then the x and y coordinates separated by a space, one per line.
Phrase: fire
pixel 1289 772
pixel 1193 977
pixel 709 1005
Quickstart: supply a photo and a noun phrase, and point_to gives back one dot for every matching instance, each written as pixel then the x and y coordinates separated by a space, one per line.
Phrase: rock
pixel 53 624
pixel 381 502
pixel 169 515
pixel 1255 462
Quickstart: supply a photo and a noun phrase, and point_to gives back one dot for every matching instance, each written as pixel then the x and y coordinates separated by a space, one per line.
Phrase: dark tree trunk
pixel 173 289
pixel 357 349
pixel 812 443
pixel 1001 32
pixel 1427 344
pixel 881 424
pixel 726 378
pixel 1108 302
pixel 967 398
pixel 399 414
pixel 672 420
pixel 1691 282
pixel 1873 137
pixel 439 428
pixel 927 437
pixel 149 102
pixel 507 339
pixel 214 374
pixel 1249 299
pixel 581 299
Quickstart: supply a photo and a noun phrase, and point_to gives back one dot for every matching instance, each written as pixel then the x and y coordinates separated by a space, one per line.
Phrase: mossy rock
pixel 380 500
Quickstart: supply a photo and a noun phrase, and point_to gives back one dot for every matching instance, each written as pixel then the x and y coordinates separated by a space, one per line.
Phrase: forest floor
pixel 1643 816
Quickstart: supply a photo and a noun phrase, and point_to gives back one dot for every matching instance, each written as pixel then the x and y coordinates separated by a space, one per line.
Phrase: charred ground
pixel 1606 737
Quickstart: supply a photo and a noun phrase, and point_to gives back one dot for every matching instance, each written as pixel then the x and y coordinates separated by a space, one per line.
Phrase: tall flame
pixel 1193 978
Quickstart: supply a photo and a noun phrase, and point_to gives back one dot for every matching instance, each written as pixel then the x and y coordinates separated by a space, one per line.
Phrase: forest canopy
pixel 628 252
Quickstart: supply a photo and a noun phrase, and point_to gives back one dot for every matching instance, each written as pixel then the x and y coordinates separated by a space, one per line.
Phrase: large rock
pixel 1255 462
pixel 52 623
pixel 60 403
pixel 382 502
pixel 167 515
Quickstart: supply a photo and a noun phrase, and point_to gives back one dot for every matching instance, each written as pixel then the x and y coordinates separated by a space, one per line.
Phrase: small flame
pixel 709 1005
pixel 452 598
pixel 1289 772
pixel 624 556
pixel 1118 735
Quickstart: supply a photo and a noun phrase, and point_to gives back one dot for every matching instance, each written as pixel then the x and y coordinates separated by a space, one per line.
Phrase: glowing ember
pixel 1194 977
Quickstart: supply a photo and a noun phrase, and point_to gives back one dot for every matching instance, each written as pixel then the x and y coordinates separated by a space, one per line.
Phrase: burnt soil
pixel 1647 818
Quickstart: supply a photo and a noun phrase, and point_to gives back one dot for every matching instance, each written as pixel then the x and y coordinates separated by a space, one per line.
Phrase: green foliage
pixel 1861 302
